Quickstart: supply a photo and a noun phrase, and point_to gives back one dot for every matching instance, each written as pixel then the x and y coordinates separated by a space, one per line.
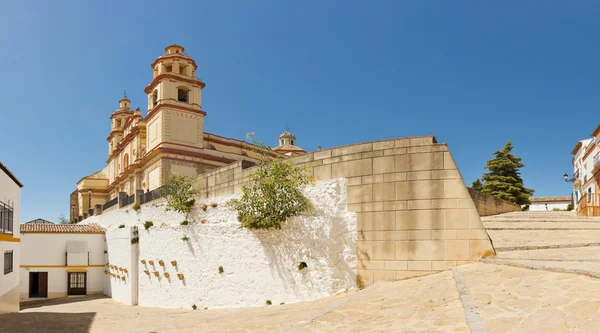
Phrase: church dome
pixel 287 145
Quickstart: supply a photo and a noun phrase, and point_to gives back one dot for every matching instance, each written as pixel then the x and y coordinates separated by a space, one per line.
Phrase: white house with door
pixel 10 193
pixel 59 260
pixel 542 204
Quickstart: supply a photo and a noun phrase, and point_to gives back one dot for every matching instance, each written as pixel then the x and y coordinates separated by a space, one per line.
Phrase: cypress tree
pixel 504 179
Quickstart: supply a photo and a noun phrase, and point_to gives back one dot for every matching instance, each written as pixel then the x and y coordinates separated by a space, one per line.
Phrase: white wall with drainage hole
pixel 258 265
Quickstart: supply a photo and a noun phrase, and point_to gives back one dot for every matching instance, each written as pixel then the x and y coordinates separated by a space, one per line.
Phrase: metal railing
pixel 6 218
pixel 152 195
pixel 589 205
pixel 129 200
pixel 110 203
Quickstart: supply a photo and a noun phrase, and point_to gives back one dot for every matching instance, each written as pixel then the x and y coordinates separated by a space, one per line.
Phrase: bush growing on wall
pixel 179 193
pixel 273 194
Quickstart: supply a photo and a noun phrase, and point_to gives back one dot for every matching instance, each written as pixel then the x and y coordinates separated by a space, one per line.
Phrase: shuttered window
pixel 8 262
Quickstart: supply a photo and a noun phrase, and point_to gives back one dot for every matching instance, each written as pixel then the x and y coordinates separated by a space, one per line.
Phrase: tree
pixel 62 219
pixel 477 185
pixel 179 192
pixel 504 179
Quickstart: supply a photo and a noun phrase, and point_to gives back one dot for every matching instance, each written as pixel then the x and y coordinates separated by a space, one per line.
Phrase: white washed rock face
pixel 258 265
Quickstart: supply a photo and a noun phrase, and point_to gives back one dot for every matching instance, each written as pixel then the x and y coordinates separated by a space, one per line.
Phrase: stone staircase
pixel 554 241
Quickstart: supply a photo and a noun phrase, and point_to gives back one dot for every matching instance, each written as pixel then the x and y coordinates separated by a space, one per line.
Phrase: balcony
pixel 589 205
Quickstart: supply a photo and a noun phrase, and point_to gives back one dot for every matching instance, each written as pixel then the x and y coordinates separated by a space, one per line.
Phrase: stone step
pixel 541 225
pixel 583 253
pixel 541 247
pixel 575 267
pixel 506 240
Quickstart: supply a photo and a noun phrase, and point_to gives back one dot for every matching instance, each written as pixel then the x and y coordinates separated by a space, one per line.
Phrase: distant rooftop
pixel 551 199
pixel 62 228
pixel 39 221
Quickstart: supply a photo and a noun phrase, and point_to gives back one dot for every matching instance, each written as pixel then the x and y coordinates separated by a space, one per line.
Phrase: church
pixel 143 151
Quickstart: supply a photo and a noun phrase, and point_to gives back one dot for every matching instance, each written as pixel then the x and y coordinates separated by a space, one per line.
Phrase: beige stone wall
pixel 488 205
pixel 415 215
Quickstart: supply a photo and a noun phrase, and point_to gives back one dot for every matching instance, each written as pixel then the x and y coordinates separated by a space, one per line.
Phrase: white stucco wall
pixel 125 255
pixel 541 206
pixel 10 193
pixel 58 280
pixel 258 265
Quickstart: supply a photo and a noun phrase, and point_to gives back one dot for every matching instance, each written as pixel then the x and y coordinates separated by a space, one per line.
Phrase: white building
pixel 58 260
pixel 582 168
pixel 10 192
pixel 543 204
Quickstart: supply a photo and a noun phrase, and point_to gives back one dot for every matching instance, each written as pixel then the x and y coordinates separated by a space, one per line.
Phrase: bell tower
pixel 175 119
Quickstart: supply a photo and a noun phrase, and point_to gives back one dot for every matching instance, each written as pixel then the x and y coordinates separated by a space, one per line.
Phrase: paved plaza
pixel 543 279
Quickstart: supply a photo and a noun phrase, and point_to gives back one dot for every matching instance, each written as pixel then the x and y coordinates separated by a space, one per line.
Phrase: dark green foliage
pixel 477 185
pixel 121 226
pixel 269 302
pixel 135 240
pixel 184 222
pixel 148 224
pixel 570 207
pixel 504 178
pixel 136 207
pixel 194 307
pixel 179 193
pixel 221 269
pixel 185 238
pixel 302 266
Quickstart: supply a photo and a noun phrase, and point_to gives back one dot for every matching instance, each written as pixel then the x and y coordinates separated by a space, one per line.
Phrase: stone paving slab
pixel 586 253
pixel 542 225
pixel 523 300
pixel 515 239
pixel 576 267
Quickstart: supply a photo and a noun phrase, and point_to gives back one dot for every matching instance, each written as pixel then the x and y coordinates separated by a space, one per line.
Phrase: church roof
pixel 287 134
pixel 289 148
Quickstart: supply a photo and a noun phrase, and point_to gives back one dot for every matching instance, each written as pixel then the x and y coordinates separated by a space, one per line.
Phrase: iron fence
pixel 110 203
pixel 129 200
pixel 152 195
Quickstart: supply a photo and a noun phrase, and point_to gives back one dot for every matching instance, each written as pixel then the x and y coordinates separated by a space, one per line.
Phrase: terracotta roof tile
pixel 63 228
pixel 551 199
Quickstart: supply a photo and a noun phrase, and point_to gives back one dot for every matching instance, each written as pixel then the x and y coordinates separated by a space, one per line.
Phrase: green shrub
pixel 184 222
pixel 570 207
pixel 273 195
pixel 556 209
pixel 281 303
pixel 185 238
pixel 135 240
pixel 221 270
pixel 269 302
pixel 121 226
pixel 194 307
pixel 136 207
pixel 302 266
pixel 148 224
pixel 179 193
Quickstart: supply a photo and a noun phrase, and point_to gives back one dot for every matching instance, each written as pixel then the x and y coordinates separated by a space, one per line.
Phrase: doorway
pixel 77 283
pixel 38 284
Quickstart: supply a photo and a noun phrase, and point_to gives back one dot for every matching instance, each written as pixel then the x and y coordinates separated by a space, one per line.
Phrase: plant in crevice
pixel 135 240
pixel 136 207
pixel 281 303
pixel 269 302
pixel 179 192
pixel 185 238
pixel 184 222
pixel 126 211
pixel 194 307
pixel 221 269
pixel 148 224
pixel 121 226
pixel 274 194
pixel 302 266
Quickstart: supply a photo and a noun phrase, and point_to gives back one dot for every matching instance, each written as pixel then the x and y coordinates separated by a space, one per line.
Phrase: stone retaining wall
pixel 415 215
pixel 488 205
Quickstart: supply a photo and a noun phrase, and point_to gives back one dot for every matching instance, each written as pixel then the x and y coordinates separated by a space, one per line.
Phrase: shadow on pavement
pixel 29 322
pixel 58 301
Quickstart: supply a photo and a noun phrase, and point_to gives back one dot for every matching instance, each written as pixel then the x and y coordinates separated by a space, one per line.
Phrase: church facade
pixel 143 151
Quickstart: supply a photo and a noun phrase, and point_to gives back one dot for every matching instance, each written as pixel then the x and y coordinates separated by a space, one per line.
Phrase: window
pixel 292 142
pixel 282 142
pixel 154 98
pixel 182 95
pixel 169 68
pixel 126 161
pixel 8 261
pixel 589 194
pixel 6 219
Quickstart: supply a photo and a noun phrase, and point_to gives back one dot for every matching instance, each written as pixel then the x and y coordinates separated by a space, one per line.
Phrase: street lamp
pixel 566 177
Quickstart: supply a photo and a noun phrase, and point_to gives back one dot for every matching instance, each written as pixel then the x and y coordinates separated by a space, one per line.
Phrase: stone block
pixel 465 203
pixel 384 221
pixel 444 203
pixel 302 159
pixel 352 169
pixel 364 221
pixel 382 235
pixel 420 162
pixel 394 205
pixel 352 181
pixel 332 160
pixel 445 174
pixel 403 275
pixel 471 234
pixel 384 276
pixel 421 265
pixel 211 181
pixel 375 179
pixel 352 157
pixel 421 250
pixel 359 194
pixel 475 219
pixel 394 177
pixel 443 234
pixel 364 278
pixel 384 192
pixel 371 154
pixel 419 234
pixel 418 175
pixel 354 207
pixel 370 264
pixel 372 207
pixel 385 164
pixel 419 219
pixel 384 250
pixel 419 204
pixel 414 141
pixel 380 145
pixel 449 161
pixel 457 219
pixel 455 188
pixel 358 148
pixel 457 250
pixel 396 265
pixel 479 248
pixel 322 172
pixel 394 151
pixel 224 177
pixel 323 154
pixel 442 265
pixel 364 250
pixel 422 189
pixel 463 262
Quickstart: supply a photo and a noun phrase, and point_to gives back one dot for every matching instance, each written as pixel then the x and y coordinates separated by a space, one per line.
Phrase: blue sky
pixel 473 73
